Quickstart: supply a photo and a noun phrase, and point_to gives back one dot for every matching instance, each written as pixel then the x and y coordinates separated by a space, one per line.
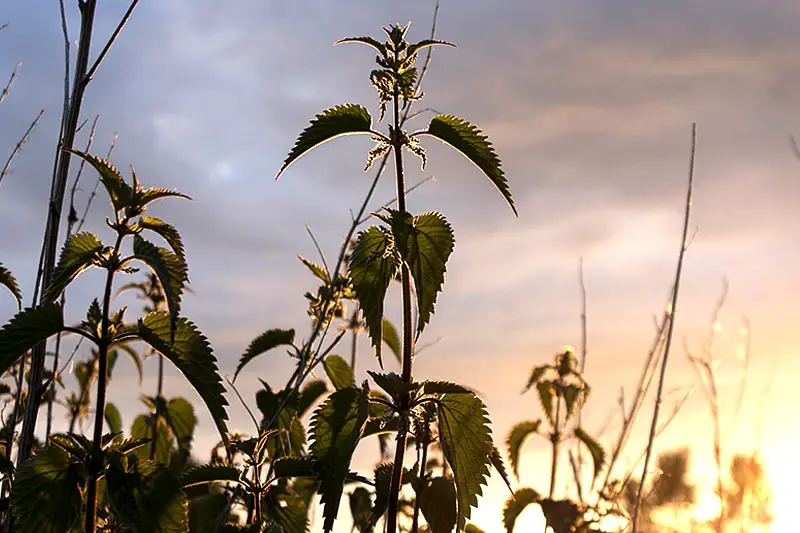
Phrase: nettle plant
pixel 412 250
pixel 103 478
pixel 562 392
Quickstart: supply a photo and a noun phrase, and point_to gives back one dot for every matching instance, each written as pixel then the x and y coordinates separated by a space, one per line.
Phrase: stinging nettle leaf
pixel 499 465
pixel 373 265
pixel 191 353
pixel 294 466
pixel 121 193
pixel 425 243
pixel 383 481
pixel 416 47
pixel 392 339
pixel 369 41
pixel 26 329
pixel 597 452
pixel 263 343
pixel 8 281
pixel 537 374
pixel 516 504
pixel 336 427
pixel 467 445
pixel 547 391
pixel 344 119
pixel 205 474
pixel 167 232
pixel 113 418
pixel 318 270
pixel 516 438
pixel 438 504
pixel 339 372
pixel 170 268
pixel 474 145
pixel 78 254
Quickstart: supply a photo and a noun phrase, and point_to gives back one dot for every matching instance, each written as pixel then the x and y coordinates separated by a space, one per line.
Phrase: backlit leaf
pixel 345 119
pixel 318 270
pixel 416 47
pixel 369 41
pixel 392 339
pixel 338 371
pixel 26 329
pixel 438 504
pixel 537 374
pixel 383 481
pixel 167 232
pixel 113 418
pixel 499 465
pixel 78 254
pixel 474 145
pixel 171 270
pixel 547 392
pixel 597 452
pixel 516 438
pixel 121 193
pixel 8 281
pixel 263 343
pixel 516 504
pixel 205 474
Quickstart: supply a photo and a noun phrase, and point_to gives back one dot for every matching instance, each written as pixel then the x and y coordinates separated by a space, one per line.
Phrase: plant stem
pixel 55 204
pixel 397 471
pixel 102 383
pixel 670 329
pixel 421 488
pixel 555 439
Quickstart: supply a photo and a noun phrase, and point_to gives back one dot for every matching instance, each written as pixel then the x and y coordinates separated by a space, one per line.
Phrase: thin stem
pixel 18 148
pixel 100 404
pixel 110 42
pixel 421 488
pixel 555 439
pixel 670 329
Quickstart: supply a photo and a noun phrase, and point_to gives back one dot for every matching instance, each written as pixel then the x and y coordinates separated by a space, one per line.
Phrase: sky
pixel 589 106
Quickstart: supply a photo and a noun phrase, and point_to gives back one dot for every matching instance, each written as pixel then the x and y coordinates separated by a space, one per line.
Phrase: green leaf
pixel 263 343
pixel 373 265
pixel 516 504
pixel 79 253
pixel 144 197
pixel 425 243
pixel 383 481
pixel 8 281
pixel 167 232
pixel 192 355
pixel 562 516
pixel 121 193
pixel 206 474
pixel 26 329
pixel 46 497
pixel 113 418
pixel 339 372
pixel 345 119
pixel 171 270
pixel 474 145
pixel 369 41
pixel 335 431
pixel 472 528
pixel 499 465
pixel 181 420
pixel 438 505
pixel 537 374
pixel 467 446
pixel 547 391
pixel 572 394
pixel 444 387
pixel 416 47
pixel 392 339
pixel 597 452
pixel 318 270
pixel 147 498
pixel 392 383
pixel 288 510
pixel 293 466
pixel 142 429
pixel 516 438
pixel 310 393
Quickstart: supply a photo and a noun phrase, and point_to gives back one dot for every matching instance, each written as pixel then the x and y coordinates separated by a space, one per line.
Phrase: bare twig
pixel 22 142
pixel 670 330
pixel 795 148
pixel 96 185
pixel 111 41
pixel 7 88
pixel 241 400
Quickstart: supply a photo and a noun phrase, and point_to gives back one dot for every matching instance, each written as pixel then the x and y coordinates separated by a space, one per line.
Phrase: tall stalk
pixel 397 471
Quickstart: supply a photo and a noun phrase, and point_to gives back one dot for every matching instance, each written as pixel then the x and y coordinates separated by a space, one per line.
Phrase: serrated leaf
pixel 338 371
pixel 472 528
pixel 572 394
pixel 562 516
pixel 516 438
pixel 425 243
pixel 127 445
pixel 120 193
pixel 263 343
pixel 8 281
pixel 26 329
pixel 113 418
pixel 181 420
pixel 192 355
pixel 373 265
pixel 145 197
pixel 516 504
pixel 170 269
pixel 547 392
pixel 310 393
pixel 438 505
pixel 142 430
pixel 416 47
pixel 475 146
pixel 392 383
pixel 167 232
pixel 77 255
pixel 288 510
pixel 499 465
pixel 369 41
pixel 345 119
pixel 206 474
pixel 597 452
pixel 335 431
pixel 467 446
pixel 537 374
pixel 318 270
pixel 444 387
pixel 383 481
pixel 147 498
pixel 293 466
pixel 46 497
pixel 392 339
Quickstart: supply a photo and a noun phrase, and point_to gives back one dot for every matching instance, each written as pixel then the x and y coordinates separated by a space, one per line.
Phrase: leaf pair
pixel 422 244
